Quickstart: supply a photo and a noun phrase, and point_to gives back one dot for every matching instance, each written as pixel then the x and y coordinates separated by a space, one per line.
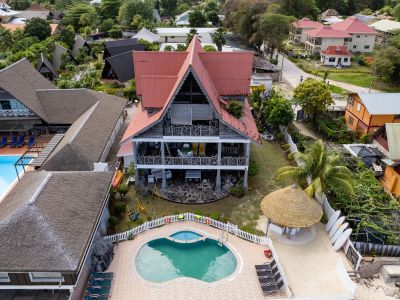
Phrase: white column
pixel 218 179
pixel 134 148
pixel 246 171
pixel 164 180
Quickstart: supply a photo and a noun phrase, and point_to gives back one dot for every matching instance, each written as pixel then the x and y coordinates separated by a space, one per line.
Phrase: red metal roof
pixel 352 26
pixel 158 77
pixel 327 31
pixel 337 50
pixel 306 23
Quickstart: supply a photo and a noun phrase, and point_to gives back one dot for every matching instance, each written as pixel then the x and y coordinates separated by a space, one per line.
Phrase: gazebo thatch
pixel 291 207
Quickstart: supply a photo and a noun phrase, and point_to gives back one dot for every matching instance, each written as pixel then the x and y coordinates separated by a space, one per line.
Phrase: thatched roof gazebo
pixel 291 207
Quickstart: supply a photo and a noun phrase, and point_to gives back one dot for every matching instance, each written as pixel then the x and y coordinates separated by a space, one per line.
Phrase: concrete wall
pixel 359 41
pixel 325 60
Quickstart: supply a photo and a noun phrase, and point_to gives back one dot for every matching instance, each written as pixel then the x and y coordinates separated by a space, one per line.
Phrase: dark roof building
pixel 45 68
pixel 118 59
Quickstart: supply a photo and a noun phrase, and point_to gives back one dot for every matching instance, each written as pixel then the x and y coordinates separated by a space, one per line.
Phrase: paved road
pixel 291 74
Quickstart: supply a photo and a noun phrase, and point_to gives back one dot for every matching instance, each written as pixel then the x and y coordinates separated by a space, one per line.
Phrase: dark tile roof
pixel 122 65
pixel 43 62
pixel 112 48
pixel 57 55
pixel 47 220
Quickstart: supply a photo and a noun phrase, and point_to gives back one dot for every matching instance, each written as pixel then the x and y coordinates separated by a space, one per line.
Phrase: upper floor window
pixel 5 104
pixel 354 46
pixel 4 277
pixel 350 101
pixel 358 106
pixel 46 277
pixel 358 36
pixel 397 117
pixel 350 120
pixel 366 47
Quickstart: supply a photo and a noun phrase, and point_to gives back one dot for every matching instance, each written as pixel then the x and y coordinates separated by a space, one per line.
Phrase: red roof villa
pixel 182 128
pixel 299 29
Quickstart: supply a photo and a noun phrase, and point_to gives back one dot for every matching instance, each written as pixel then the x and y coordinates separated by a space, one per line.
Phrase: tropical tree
pixel 19 4
pixel 313 96
pixel 319 171
pixel 219 38
pixel 67 36
pixel 115 32
pixel 106 25
pixel 6 40
pixel 39 28
pixel 301 8
pixel 209 48
pixel 235 108
pixel 279 111
pixel 192 33
pixel 130 8
pixel 109 8
pixel 81 15
pixel 197 18
pixel 168 7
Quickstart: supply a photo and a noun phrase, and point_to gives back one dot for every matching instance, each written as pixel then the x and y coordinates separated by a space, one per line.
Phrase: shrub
pixel 149 218
pixel 98 65
pixel 364 138
pixel 119 207
pixel 251 230
pixel 215 215
pixel 253 168
pixel 235 108
pixel 112 221
pixel 139 221
pixel 198 212
pixel 123 189
pixel 280 137
pixel 131 237
pixel 237 191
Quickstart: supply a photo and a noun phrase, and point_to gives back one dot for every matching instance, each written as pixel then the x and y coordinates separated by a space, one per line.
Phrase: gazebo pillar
pixel 134 148
pixel 218 179
pixel 246 171
pixel 164 180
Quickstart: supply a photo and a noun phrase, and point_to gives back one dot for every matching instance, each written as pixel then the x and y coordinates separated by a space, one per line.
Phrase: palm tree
pixel 318 170
pixel 218 38
pixel 190 35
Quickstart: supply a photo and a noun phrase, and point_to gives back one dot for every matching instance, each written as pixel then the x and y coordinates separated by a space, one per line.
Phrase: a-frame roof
pixel 43 61
pixel 159 76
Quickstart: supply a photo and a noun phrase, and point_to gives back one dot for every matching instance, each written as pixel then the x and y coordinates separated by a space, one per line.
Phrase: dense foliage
pixel 130 8
pixel 387 61
pixel 235 108
pixel 81 15
pixel 39 28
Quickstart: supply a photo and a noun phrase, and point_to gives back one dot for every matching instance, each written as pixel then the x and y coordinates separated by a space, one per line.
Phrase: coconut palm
pixel 192 33
pixel 318 170
pixel 218 38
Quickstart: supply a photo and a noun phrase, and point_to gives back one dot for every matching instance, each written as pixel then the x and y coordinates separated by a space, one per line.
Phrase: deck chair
pixel 21 141
pixel 202 149
pixel 13 142
pixel 95 297
pixel 269 280
pixel 103 275
pixel 3 142
pixel 270 272
pixel 266 267
pixel 31 141
pixel 100 282
pixel 269 289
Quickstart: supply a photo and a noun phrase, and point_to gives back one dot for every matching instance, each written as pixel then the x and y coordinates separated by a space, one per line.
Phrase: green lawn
pixel 359 79
pixel 243 212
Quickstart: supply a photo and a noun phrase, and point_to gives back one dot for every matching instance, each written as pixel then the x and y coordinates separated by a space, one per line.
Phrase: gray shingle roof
pixel 382 103
pixel 47 220
pixel 122 65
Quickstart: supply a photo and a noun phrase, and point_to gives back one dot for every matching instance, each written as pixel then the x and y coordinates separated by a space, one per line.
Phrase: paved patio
pixel 314 270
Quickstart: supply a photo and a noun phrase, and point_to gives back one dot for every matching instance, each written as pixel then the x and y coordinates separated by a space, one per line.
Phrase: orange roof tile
pixel 13 27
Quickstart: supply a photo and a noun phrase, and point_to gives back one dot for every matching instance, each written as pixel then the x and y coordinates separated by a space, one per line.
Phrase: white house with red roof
pixel 362 36
pixel 182 127
pixel 336 56
pixel 321 38
pixel 299 29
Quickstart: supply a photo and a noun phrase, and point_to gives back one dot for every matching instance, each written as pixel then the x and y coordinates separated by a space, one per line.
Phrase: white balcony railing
pixel 16 113
pixel 194 161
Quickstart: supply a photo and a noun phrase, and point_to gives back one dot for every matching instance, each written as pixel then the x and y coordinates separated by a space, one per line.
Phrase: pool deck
pixel 313 270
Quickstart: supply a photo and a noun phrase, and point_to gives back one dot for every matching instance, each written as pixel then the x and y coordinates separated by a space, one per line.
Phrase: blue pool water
pixel 7 171
pixel 162 260
pixel 186 235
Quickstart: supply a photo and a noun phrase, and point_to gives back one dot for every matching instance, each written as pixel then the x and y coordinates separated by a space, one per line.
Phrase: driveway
pixel 291 74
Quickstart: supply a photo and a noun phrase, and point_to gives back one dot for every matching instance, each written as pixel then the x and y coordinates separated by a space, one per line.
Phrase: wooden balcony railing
pixel 195 160
pixel 191 130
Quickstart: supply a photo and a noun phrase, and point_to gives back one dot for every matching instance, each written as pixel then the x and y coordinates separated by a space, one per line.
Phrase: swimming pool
pixel 7 171
pixel 161 260
pixel 186 235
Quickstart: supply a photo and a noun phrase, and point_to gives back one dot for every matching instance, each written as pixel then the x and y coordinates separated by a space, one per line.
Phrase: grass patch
pixel 243 212
pixel 338 90
pixel 359 79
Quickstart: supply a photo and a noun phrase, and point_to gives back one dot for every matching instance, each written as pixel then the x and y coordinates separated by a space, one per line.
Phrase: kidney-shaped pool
pixel 163 259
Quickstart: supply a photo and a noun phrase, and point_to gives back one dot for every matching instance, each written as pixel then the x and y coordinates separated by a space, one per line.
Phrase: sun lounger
pixel 95 297
pixel 269 279
pixel 269 289
pixel 266 267
pixel 103 275
pixel 265 273
pixel 31 141
pixel 100 282
pixel 21 141
pixel 13 142
pixel 103 291
pixel 3 142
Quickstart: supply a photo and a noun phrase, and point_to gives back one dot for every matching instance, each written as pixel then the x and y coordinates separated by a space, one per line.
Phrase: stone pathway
pixel 304 130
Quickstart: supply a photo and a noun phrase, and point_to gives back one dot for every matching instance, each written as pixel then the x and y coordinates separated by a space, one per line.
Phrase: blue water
pixel 7 171
pixel 186 235
pixel 162 260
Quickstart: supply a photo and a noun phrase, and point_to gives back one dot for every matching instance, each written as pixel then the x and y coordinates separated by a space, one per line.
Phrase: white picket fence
pixel 328 210
pixel 228 227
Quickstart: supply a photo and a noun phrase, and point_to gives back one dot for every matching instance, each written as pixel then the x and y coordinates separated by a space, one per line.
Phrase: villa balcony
pixel 193 161
pixel 191 130
pixel 16 113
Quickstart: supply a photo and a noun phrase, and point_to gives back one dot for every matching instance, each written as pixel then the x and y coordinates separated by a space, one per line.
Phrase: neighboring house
pixel 179 34
pixel 82 45
pixel 88 121
pixel 388 140
pixel 365 113
pixel 147 35
pixel 118 54
pixel 6 13
pixel 336 56
pixel 35 11
pixel 61 56
pixel 299 29
pixel 45 68
pixel 183 19
pixel 330 16
pixel 182 126
pixel 362 37
pixel 13 27
pixel 50 225
pixel 385 29
pixel 262 66
pixel 321 38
